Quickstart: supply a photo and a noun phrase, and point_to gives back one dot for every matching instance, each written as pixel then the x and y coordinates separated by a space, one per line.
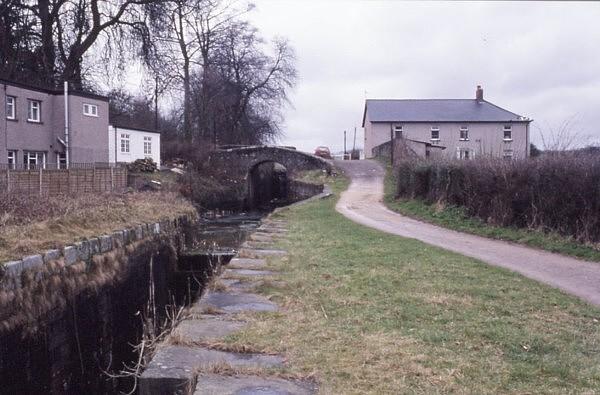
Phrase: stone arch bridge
pixel 241 160
pixel 267 173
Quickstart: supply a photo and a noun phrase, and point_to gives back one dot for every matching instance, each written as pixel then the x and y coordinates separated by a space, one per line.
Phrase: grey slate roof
pixel 437 110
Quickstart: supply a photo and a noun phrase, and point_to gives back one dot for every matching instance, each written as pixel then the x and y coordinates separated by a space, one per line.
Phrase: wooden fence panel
pixel 52 182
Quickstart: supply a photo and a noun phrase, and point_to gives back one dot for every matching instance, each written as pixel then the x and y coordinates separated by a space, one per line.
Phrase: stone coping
pixel 84 250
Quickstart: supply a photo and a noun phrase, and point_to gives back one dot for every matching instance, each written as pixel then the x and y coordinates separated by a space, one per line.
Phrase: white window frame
pixel 125 143
pixel 508 154
pixel 437 130
pixel 464 153
pixel 90 110
pixel 465 130
pixel 507 128
pixel 61 160
pixel 13 107
pixel 12 159
pixel 148 146
pixel 29 155
pixel 31 106
pixel 398 131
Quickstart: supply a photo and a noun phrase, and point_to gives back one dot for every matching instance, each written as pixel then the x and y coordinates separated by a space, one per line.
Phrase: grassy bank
pixel 456 218
pixel 368 312
pixel 30 225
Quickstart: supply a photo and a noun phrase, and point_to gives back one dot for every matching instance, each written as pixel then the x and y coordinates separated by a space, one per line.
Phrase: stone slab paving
pixel 247 263
pixel 233 303
pixel 211 327
pixel 256 244
pixel 175 368
pixel 260 253
pixel 271 231
pixel 247 272
pixel 267 238
pixel 237 285
pixel 246 385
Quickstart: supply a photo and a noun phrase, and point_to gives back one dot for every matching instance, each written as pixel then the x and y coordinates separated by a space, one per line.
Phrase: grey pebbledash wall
pixel 68 316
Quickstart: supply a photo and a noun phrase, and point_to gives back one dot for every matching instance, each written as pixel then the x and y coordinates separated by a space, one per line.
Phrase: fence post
pixel 8 180
pixel 112 179
pixel 40 181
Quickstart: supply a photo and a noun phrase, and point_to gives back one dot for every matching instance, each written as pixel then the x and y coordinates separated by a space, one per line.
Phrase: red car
pixel 323 152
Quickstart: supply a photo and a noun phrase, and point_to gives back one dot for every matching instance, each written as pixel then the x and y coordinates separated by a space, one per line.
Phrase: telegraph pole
pixel 392 144
pixel 354 144
pixel 345 145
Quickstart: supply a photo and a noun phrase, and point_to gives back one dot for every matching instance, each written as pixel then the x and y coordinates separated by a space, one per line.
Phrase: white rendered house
pixel 465 128
pixel 128 144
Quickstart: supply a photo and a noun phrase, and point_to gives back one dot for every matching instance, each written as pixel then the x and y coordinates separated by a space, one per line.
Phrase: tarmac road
pixel 362 203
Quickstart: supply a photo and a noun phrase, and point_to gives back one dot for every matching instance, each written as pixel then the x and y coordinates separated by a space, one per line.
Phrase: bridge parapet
pixel 238 161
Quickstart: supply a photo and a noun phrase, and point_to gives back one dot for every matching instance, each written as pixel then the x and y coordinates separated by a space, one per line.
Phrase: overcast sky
pixel 540 60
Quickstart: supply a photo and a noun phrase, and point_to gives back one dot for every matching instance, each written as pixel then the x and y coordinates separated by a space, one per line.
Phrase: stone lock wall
pixel 299 190
pixel 68 316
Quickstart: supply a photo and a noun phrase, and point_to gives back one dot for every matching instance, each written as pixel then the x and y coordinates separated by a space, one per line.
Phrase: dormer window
pixel 90 110
pixel 435 133
pixel 464 133
pixel 507 133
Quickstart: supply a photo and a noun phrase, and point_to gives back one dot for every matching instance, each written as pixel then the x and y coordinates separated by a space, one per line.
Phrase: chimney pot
pixel 479 94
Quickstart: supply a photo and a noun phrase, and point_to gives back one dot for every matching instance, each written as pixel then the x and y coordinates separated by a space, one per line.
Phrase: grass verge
pixel 318 177
pixel 457 219
pixel 368 312
pixel 64 220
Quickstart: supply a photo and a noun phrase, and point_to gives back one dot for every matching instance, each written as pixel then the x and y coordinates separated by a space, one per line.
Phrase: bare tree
pixel 564 137
pixel 19 49
pixel 255 84
pixel 187 34
pixel 53 37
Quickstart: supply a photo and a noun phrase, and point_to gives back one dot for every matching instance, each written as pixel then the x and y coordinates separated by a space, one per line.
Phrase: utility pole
pixel 392 144
pixel 354 144
pixel 345 145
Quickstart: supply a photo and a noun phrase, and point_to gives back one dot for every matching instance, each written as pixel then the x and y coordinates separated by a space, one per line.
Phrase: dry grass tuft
pixel 211 310
pixel 225 369
pixel 176 339
pixel 31 225
pixel 217 285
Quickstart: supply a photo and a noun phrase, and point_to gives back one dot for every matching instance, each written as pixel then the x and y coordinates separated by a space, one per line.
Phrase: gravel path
pixel 362 203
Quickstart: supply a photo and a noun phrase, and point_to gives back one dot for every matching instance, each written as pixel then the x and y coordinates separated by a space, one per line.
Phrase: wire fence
pixel 52 180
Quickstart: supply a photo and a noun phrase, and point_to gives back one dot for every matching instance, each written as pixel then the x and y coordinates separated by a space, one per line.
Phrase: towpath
pixel 362 203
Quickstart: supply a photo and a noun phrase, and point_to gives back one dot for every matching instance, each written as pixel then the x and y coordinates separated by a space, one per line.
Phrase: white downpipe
pixel 66 87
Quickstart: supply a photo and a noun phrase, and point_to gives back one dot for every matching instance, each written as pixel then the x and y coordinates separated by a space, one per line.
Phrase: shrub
pixel 558 193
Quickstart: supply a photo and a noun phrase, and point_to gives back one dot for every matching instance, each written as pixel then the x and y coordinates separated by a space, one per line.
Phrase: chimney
pixel 479 94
